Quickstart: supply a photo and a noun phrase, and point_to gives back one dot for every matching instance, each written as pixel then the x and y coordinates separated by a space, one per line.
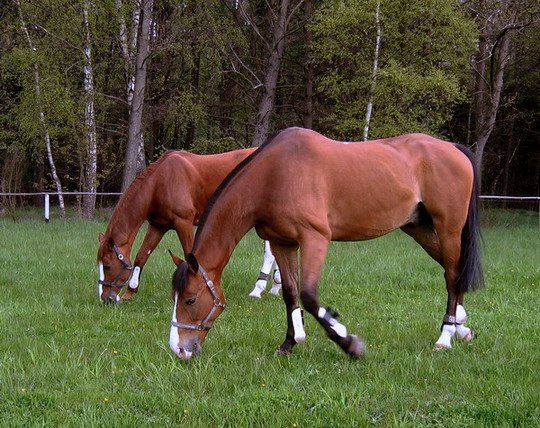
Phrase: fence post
pixel 46 214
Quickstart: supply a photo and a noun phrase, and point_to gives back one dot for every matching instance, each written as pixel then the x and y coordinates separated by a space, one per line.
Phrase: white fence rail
pixel 47 195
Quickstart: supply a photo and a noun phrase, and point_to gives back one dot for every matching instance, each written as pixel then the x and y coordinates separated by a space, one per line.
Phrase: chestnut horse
pixel 170 194
pixel 300 191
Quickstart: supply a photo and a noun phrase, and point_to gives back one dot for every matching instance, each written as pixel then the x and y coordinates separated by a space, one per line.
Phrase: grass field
pixel 66 360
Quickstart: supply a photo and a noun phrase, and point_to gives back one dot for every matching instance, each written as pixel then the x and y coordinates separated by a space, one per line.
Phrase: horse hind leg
pixel 313 253
pixel 463 332
pixel 422 230
pixel 451 249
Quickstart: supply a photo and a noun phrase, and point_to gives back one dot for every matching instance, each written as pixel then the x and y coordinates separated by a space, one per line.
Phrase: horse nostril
pixel 112 299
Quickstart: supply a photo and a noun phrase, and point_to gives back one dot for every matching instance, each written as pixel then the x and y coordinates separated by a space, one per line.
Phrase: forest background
pixel 93 91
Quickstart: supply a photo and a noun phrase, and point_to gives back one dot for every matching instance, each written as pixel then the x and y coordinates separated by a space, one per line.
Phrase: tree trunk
pixel 41 114
pixel 271 77
pixel 374 70
pixel 90 164
pixel 307 117
pixel 134 159
pixel 128 44
pixel 195 83
pixel 486 121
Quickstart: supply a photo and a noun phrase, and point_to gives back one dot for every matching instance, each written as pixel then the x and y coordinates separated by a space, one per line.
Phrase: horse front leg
pixel 287 259
pixel 151 240
pixel 313 253
pixel 184 231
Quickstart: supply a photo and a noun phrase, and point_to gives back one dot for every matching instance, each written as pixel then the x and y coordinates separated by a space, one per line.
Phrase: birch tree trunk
pixel 134 158
pixel 374 70
pixel 90 165
pixel 271 77
pixel 128 45
pixel 41 114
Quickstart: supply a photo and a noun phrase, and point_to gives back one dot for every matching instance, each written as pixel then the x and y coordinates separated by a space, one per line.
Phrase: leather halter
pixel 202 326
pixel 125 266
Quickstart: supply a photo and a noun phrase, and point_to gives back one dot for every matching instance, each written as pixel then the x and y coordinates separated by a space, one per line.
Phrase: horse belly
pixel 370 213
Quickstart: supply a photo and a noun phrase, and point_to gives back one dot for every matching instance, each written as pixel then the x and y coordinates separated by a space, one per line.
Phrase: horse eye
pixel 106 267
pixel 191 301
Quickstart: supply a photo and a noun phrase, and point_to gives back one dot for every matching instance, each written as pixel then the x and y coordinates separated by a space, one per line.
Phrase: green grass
pixel 66 360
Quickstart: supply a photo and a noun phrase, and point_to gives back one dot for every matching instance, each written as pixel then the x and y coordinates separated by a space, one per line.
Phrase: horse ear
pixel 192 263
pixel 101 237
pixel 176 260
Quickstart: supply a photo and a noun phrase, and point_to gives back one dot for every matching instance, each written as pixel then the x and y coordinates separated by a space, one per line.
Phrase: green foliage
pixel 207 65
pixel 207 146
pixel 410 101
pixel 424 47
pixel 66 360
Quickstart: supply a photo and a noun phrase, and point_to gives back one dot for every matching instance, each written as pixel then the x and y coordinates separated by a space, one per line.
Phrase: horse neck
pixel 130 213
pixel 219 236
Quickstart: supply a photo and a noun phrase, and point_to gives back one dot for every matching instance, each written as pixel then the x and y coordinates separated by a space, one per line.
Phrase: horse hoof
pixel 357 347
pixel 441 346
pixel 275 290
pixel 286 347
pixel 281 352
pixel 469 336
pixel 255 294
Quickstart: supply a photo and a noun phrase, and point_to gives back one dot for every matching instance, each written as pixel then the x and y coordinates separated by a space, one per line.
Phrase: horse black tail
pixel 471 272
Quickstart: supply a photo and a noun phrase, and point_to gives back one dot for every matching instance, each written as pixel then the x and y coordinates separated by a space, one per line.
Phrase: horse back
pixel 183 182
pixel 366 189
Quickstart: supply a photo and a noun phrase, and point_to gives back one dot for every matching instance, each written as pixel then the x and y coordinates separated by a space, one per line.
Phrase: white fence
pixel 47 195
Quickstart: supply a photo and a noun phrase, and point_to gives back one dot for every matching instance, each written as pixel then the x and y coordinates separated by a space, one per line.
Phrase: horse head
pixel 197 303
pixel 114 269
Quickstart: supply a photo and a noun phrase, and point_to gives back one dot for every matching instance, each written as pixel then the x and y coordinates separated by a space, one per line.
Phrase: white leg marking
pixel 266 267
pixel 276 286
pixel 134 280
pixel 461 315
pixel 445 340
pixel 298 324
pixel 335 325
pixel 463 332
pixel 101 275
pixel 260 285
pixel 268 259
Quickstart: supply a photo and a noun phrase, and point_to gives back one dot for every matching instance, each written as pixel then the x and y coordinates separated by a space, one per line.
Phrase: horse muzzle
pixel 185 353
pixel 109 298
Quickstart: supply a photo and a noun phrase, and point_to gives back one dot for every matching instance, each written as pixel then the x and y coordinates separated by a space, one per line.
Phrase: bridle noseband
pixel 203 326
pixel 125 266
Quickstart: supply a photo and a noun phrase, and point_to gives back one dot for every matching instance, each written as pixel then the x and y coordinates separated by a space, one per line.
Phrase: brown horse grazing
pixel 170 194
pixel 320 191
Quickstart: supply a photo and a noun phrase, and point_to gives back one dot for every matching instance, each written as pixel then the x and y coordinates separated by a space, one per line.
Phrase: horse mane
pixel 227 180
pixel 179 278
